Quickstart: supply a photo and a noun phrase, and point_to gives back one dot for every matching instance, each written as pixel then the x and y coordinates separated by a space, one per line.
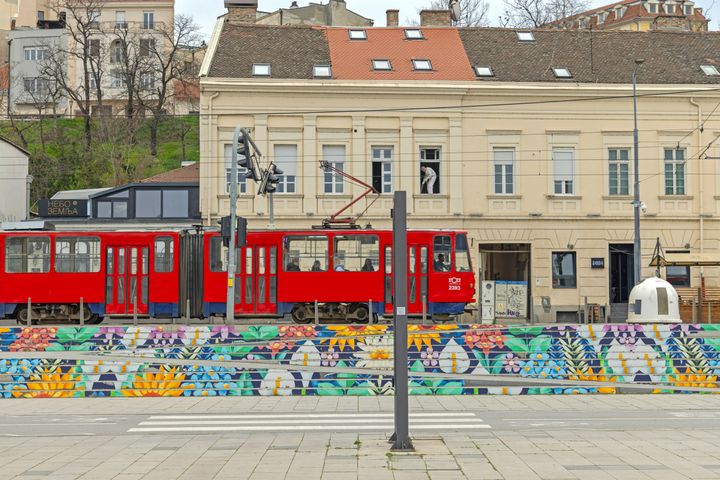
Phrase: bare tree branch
pixel 536 13
pixel 473 13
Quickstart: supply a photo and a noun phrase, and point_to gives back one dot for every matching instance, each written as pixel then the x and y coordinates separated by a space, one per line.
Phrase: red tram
pixel 346 273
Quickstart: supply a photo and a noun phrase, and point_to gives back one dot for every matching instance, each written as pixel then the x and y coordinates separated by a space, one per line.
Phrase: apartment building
pixel 639 16
pixel 147 25
pixel 21 13
pixel 332 13
pixel 530 134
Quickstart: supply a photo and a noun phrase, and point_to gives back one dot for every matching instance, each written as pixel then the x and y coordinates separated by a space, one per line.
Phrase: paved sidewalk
pixel 553 437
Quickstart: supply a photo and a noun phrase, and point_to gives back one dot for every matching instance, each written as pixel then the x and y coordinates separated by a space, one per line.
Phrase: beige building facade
pixel 538 172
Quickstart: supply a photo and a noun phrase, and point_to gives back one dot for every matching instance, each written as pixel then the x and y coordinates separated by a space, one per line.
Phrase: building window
pixel 36 85
pixel 688 10
pixel 413 34
pixel 322 71
pixel 674 171
pixel 120 20
pixel 525 36
pixel 77 255
pixel 422 65
pixel 241 180
pixel 40 15
pixel 619 171
pixel 147 81
pixel 118 52
pixel 147 46
pixel 710 70
pixel 117 79
pixel 382 169
pixel 430 170
pixel 335 156
pixel 27 255
pixel 286 160
pixel 306 253
pixel 164 255
pixel 33 54
pixel 484 72
pixel 670 9
pixel 261 69
pixel 678 276
pixel 148 204
pixel 94 48
pixel 652 7
pixel 504 164
pixel 562 72
pixel 357 34
pixel 93 19
pixel 382 65
pixel 563 171
pixel 564 270
pixel 148 20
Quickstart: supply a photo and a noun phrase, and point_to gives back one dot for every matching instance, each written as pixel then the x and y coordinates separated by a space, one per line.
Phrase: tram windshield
pixel 462 254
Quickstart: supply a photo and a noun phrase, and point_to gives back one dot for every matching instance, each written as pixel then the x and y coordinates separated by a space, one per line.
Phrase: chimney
pixel 393 18
pixel 241 12
pixel 435 18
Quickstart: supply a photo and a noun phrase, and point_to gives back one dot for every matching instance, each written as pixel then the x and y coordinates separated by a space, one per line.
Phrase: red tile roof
pixel 634 9
pixel 352 59
pixel 189 174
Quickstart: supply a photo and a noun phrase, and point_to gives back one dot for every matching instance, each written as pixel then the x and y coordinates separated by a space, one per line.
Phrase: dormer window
pixel 601 17
pixel 322 71
pixel 357 34
pixel 688 10
pixel 670 9
pixel 413 34
pixel 261 69
pixel 562 72
pixel 525 36
pixel 652 8
pixel 619 13
pixel 382 65
pixel 710 70
pixel 422 65
pixel 582 23
pixel 484 72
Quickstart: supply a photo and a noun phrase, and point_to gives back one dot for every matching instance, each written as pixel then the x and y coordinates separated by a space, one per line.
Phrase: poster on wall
pixel 511 299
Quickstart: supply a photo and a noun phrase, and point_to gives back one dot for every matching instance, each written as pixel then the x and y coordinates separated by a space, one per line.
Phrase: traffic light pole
pixel 232 261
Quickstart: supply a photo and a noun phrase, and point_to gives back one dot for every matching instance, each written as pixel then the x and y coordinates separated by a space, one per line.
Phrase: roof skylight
pixel 322 71
pixel 710 70
pixel 413 34
pixel 562 72
pixel 379 64
pixel 422 65
pixel 484 72
pixel 357 34
pixel 261 69
pixel 526 36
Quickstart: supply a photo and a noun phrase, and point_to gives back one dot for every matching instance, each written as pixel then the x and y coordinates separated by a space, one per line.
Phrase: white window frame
pixel 357 34
pixel 525 36
pixel 117 79
pixel 505 172
pixel 378 156
pixel 382 65
pixel 242 181
pixel 147 80
pixel 652 7
pixel 617 177
pixel 710 70
pixel 286 159
pixel 37 85
pixel 322 71
pixel 36 53
pixel 419 65
pixel 148 20
pixel 262 70
pixel 334 184
pixel 689 10
pixel 438 170
pixel 562 72
pixel 484 72
pixel 120 21
pixel 675 172
pixel 414 34
pixel 563 184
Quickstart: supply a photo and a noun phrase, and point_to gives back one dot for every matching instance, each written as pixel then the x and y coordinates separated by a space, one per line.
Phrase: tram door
pixel 126 280
pixel 417 278
pixel 256 286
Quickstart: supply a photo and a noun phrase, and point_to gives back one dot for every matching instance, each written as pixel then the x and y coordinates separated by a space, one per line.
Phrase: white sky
pixel 206 11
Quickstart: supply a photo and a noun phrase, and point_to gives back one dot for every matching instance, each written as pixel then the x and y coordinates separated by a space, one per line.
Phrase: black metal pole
pixel 402 430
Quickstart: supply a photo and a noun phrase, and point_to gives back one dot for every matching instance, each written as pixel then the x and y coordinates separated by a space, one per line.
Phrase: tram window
pixel 424 260
pixel 388 260
pixel 77 255
pixel 164 254
pixel 442 253
pixel 305 253
pixel 218 255
pixel 273 260
pixel 462 254
pixel 27 255
pixel 413 259
pixel 357 253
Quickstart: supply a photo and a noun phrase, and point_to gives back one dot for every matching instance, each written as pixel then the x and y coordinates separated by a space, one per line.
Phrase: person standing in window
pixel 429 177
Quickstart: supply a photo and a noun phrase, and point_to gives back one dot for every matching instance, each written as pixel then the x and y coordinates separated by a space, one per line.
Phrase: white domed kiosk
pixel 654 301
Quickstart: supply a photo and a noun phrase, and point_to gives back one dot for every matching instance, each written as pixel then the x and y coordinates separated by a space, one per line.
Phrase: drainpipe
pixel 208 194
pixel 702 185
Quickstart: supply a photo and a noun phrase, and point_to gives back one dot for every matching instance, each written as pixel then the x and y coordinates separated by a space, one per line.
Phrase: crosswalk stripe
pixel 284 422
pixel 312 415
pixel 266 428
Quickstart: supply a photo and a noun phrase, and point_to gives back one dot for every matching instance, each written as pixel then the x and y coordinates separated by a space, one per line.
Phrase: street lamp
pixel 636 165
pixel 28 185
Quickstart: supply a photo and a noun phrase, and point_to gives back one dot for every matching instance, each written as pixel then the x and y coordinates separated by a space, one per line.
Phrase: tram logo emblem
pixel 454 283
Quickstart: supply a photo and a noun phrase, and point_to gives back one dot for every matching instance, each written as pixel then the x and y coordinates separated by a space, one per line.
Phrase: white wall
pixel 13 171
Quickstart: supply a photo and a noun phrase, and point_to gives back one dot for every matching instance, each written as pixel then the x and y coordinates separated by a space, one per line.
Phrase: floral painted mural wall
pixel 348 360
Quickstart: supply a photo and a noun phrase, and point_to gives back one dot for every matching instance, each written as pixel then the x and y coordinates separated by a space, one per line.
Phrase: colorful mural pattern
pixel 680 355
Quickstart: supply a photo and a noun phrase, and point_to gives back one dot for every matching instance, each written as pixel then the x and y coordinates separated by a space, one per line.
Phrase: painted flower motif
pixel 381 385
pixel 277 383
pixel 622 327
pixel 540 365
pixel 12 390
pixel 329 358
pixel 19 367
pixel 54 385
pixel 691 380
pixel 487 340
pixel 430 358
pixel 33 340
pixel 628 339
pixel 108 334
pixel 161 337
pixel 419 335
pixel 453 358
pixel 223 332
pixel 274 347
pixel 306 355
pixel 375 352
pixel 594 376
pixel 194 336
pixel 209 382
pixel 166 383
pixel 644 363
pixel 297 332
pixel 349 334
pixel 511 363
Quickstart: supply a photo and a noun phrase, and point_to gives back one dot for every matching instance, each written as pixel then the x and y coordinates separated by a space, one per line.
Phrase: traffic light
pixel 270 179
pixel 245 159
pixel 242 226
pixel 225 225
